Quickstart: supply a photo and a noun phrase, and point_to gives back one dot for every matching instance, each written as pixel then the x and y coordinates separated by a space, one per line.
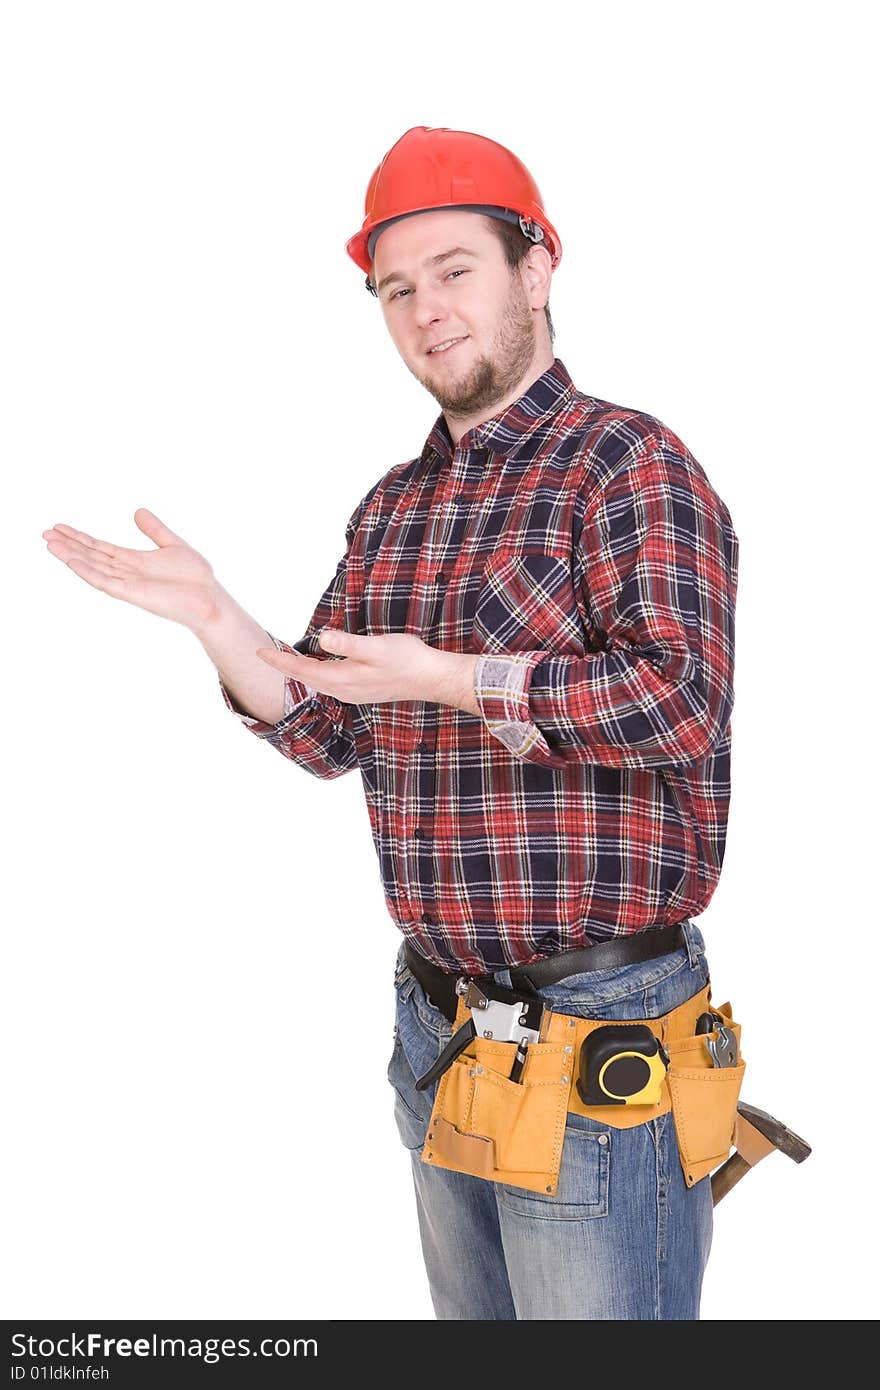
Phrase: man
pixel 527 651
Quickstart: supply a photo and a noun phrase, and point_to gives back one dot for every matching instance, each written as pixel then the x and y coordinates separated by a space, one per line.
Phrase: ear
pixel 537 270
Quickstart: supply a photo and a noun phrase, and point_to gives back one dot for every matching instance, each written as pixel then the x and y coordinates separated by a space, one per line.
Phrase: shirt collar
pixel 547 395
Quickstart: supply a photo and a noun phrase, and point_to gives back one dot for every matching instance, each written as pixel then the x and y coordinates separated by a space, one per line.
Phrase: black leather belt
pixel 606 955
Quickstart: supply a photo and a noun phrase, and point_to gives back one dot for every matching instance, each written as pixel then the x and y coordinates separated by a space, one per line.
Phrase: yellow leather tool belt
pixel 506 1131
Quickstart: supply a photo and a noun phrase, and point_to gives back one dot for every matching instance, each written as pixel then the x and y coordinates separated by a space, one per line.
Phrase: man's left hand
pixel 395 666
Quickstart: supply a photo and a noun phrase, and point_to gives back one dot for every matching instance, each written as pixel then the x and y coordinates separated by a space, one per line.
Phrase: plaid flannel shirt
pixel 579 549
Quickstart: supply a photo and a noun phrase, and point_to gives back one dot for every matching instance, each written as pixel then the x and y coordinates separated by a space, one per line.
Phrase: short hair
pixel 516 247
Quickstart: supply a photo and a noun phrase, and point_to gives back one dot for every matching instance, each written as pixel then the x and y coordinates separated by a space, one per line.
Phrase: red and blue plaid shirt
pixel 578 547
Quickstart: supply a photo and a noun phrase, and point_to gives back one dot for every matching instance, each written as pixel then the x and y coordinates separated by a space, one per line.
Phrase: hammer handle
pixel 727 1176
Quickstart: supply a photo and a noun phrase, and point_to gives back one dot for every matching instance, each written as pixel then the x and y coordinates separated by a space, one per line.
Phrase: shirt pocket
pixel 527 601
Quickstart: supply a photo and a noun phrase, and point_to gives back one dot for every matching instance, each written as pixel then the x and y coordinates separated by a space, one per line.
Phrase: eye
pixel 397 293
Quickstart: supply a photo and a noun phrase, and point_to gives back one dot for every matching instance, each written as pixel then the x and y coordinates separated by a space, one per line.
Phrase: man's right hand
pixel 174 581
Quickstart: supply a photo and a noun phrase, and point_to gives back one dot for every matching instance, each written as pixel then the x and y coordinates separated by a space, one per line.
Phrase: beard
pixel 489 379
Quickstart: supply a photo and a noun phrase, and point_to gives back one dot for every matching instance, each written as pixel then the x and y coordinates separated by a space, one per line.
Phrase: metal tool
pixel 496 1013
pixel 723 1048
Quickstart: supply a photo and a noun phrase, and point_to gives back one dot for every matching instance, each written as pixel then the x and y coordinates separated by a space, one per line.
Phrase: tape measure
pixel 621 1064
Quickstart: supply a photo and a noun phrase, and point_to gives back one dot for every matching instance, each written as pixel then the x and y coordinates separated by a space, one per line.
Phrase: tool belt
pixel 512 1131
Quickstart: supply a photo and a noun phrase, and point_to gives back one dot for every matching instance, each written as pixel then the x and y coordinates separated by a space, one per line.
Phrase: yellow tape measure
pixel 621 1064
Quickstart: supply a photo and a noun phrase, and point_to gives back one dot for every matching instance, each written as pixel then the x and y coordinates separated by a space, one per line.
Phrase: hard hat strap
pixel 531 230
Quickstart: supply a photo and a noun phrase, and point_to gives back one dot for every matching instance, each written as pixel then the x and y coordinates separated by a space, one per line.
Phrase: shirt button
pixel 440 578
pixel 419 834
pixel 427 918
pixel 424 747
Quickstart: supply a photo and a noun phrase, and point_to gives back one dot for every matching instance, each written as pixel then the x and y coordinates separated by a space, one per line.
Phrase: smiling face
pixel 429 296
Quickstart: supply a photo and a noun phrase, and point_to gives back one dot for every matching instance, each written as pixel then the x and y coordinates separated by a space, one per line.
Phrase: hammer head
pixel 778 1134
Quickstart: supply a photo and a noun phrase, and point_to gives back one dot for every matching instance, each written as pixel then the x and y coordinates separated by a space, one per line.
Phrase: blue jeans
pixel 623 1236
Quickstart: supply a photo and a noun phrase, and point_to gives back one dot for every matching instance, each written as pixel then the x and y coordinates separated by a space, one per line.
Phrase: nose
pixel 429 308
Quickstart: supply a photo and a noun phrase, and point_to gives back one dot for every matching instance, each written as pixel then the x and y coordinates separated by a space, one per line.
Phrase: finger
pixel 107 583
pixel 117 559
pixel 157 531
pixel 307 668
pixel 84 539
pixel 333 639
pixel 318 675
pixel 67 550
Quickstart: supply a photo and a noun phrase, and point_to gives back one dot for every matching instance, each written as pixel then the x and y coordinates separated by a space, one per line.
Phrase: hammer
pixel 755 1135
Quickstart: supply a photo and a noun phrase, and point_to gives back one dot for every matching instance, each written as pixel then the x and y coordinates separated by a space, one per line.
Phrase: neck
pixel 459 425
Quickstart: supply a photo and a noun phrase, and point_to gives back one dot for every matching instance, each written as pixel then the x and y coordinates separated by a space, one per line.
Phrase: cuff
pixel 296 694
pixel 501 685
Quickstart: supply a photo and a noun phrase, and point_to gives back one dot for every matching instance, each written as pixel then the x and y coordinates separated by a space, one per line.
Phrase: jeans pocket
pixel 584 1179
pixel 412 1124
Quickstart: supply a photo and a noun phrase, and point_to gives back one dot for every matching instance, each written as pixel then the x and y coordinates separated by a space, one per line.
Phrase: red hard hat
pixel 432 167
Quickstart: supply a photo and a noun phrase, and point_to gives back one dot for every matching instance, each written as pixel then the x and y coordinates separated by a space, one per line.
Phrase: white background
pixel 198 960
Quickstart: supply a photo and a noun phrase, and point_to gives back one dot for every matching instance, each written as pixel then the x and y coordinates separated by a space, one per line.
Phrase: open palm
pixel 173 581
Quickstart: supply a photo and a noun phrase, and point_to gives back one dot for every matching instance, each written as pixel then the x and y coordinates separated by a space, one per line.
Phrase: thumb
pixel 157 531
pixel 335 639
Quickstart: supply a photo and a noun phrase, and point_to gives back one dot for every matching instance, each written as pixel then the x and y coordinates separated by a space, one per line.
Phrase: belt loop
pixel 694 940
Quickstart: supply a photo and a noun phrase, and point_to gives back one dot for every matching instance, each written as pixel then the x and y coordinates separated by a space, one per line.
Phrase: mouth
pixel 445 351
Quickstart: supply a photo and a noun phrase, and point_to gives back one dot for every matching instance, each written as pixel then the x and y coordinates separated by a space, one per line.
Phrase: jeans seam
pixel 660 1138
pixel 658 1194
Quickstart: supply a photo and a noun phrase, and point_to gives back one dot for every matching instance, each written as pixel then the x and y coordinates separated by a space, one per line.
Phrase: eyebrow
pixel 432 260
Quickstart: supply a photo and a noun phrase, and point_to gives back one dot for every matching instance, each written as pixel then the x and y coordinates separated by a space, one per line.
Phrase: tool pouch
pixel 484 1124
pixel 704 1099
pixel 506 1131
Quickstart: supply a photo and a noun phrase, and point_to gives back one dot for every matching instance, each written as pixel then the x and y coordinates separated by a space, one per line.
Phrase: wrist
pixel 458 682
pixel 218 607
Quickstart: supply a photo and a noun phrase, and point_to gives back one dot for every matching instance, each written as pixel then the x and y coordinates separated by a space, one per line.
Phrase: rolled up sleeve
pixel 315 729
pixel 659 559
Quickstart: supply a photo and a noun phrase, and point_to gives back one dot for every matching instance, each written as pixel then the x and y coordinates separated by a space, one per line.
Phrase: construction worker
pixel 527 651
